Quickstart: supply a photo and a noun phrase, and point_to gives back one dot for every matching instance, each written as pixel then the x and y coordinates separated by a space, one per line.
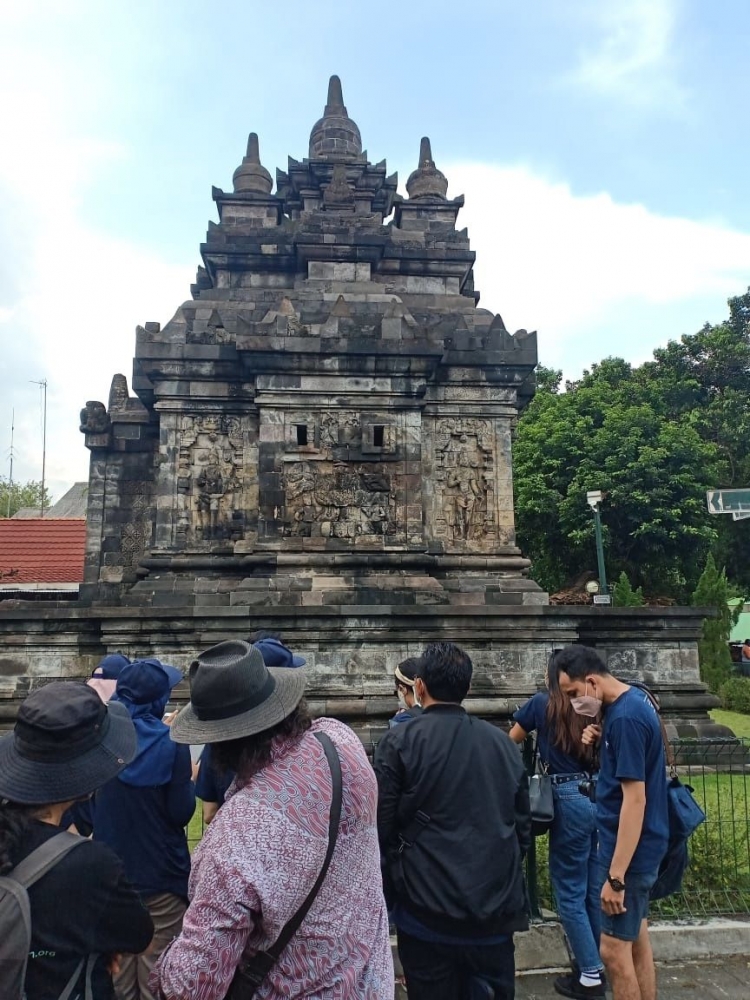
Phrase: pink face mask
pixel 586 704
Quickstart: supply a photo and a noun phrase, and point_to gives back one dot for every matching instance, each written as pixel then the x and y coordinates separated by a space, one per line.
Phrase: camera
pixel 588 788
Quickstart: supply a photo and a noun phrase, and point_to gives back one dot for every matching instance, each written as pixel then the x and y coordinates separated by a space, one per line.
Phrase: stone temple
pixel 319 443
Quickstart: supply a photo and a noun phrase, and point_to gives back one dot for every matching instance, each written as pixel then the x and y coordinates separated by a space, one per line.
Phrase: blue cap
pixel 146 681
pixel 276 654
pixel 111 665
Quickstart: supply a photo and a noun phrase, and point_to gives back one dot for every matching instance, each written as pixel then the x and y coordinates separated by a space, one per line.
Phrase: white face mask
pixel 401 699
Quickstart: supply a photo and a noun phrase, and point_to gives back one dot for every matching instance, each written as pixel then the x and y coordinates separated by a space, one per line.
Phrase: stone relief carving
pixel 464 477
pixel 94 418
pixel 211 474
pixel 338 500
pixel 340 430
pixel 136 533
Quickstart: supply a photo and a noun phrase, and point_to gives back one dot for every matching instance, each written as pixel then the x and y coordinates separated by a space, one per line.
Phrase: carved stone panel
pixel 346 500
pixel 464 473
pixel 211 479
pixel 137 531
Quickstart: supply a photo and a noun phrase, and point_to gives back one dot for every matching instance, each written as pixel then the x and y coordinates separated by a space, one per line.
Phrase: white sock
pixel 593 980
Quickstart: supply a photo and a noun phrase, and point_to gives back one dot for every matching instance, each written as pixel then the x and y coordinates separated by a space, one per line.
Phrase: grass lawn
pixel 195 826
pixel 738 723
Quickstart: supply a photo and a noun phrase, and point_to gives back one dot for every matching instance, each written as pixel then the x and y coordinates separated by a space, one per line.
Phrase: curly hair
pixel 15 822
pixel 250 754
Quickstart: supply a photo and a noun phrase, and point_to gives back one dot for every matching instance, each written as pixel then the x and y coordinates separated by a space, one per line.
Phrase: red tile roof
pixel 42 550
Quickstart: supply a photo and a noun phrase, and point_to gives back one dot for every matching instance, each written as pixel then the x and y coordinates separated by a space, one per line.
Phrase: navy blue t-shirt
pixel 632 749
pixel 533 717
pixel 210 786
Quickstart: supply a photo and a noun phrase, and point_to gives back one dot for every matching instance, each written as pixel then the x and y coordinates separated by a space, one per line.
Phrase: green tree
pixel 13 496
pixel 654 438
pixel 608 431
pixel 704 379
pixel 714 591
pixel 623 595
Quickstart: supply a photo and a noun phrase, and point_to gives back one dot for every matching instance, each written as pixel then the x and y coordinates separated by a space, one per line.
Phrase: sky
pixel 602 149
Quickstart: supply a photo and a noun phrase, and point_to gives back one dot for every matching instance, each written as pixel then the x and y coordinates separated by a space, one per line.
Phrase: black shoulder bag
pixel 250 974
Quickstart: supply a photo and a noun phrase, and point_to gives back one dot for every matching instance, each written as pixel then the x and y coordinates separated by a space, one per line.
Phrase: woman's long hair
pixel 15 822
pixel 566 726
pixel 250 754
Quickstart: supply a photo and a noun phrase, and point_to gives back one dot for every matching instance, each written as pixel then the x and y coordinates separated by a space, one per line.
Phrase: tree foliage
pixel 714 591
pixel 13 496
pixel 654 438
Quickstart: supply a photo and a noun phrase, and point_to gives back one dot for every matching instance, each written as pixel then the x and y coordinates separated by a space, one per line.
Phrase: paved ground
pixel 725 979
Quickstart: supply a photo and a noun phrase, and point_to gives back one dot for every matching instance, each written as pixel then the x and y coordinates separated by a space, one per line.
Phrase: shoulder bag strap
pixel 669 752
pixel 421 818
pixel 44 858
pixel 249 976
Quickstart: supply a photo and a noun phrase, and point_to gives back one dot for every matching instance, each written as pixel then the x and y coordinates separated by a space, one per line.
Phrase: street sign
pixel 728 501
pixel 602 599
pixel 740 515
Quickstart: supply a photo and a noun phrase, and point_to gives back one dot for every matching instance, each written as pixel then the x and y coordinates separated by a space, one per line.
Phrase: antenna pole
pixel 43 384
pixel 12 435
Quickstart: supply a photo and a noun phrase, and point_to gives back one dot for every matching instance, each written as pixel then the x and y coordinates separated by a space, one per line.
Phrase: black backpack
pixel 15 918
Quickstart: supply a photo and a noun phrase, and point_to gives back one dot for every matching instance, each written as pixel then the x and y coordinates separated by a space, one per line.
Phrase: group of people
pixel 312 853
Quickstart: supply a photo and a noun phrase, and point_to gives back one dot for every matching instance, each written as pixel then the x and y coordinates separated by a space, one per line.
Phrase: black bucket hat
pixel 66 743
pixel 234 694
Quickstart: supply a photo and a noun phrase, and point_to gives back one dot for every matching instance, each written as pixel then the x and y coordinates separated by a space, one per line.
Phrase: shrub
pixel 623 595
pixel 713 648
pixel 735 695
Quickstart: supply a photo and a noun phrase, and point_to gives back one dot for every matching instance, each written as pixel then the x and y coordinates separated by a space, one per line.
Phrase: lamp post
pixel 593 499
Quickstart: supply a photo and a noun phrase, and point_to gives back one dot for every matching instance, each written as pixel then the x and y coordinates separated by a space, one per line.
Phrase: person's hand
pixel 612 902
pixel 591 734
pixel 169 718
pixel 113 965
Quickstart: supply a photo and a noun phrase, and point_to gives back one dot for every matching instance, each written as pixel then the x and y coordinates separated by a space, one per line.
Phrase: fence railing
pixel 718 880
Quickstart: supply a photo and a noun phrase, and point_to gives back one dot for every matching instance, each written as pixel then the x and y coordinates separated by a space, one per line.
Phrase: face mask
pixel 401 699
pixel 586 704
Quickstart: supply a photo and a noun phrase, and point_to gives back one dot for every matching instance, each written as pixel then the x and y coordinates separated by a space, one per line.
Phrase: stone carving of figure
pixel 94 418
pixel 469 492
pixel 210 484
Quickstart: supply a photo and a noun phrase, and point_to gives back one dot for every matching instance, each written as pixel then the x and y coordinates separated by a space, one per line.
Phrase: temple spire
pixel 427 181
pixel 335 102
pixel 251 175
pixel 425 153
pixel 335 134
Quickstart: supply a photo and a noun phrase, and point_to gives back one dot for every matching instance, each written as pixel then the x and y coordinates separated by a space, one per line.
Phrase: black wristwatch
pixel 617 884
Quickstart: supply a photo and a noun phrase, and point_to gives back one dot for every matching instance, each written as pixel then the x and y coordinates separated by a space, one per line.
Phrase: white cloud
pixel 70 295
pixel 634 57
pixel 594 277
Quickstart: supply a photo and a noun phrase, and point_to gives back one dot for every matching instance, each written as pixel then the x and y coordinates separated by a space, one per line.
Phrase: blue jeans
pixel 574 872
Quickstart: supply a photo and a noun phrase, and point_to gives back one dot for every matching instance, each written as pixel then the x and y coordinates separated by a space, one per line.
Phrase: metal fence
pixel 717 882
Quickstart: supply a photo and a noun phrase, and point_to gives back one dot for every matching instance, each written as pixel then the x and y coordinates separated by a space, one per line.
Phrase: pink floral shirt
pixel 256 864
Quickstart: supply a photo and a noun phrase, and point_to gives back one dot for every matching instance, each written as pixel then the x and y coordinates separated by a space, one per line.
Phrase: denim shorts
pixel 627 926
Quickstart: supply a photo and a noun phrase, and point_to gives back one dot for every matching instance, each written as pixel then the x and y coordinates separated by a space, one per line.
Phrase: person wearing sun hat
pixel 265 849
pixel 142 814
pixel 211 784
pixel 67 743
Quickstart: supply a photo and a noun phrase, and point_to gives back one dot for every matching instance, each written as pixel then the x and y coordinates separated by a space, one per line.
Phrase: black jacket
pixel 462 872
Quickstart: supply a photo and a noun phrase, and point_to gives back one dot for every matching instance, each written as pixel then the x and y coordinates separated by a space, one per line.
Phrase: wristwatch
pixel 617 884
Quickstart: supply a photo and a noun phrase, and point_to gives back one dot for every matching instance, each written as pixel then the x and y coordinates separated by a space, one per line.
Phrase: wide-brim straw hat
pixel 66 743
pixel 233 694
